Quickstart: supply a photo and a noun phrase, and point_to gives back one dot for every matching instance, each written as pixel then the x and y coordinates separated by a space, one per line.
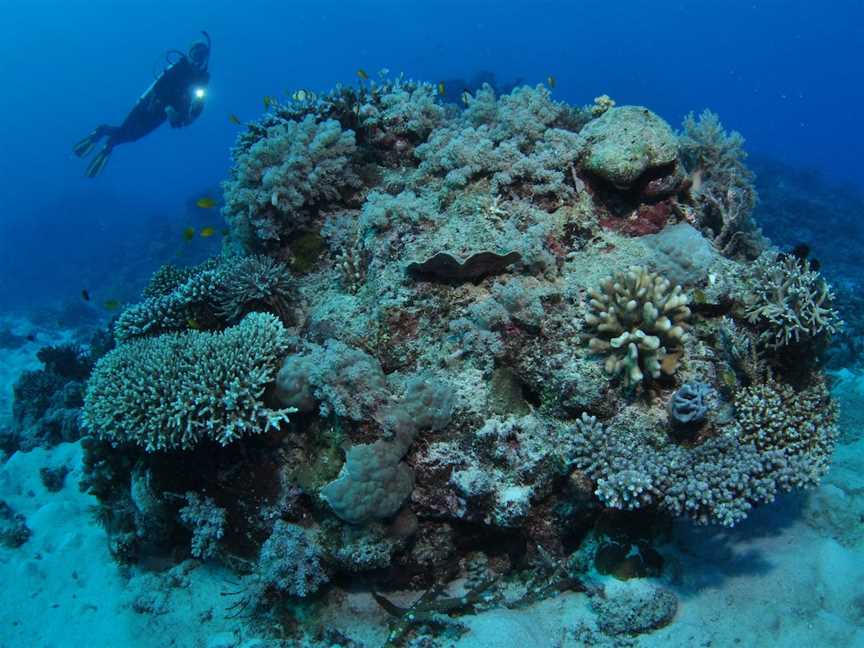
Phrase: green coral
pixel 175 390
pixel 638 317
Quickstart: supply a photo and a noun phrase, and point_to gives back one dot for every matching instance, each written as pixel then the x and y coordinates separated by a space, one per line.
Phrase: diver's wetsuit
pixel 171 96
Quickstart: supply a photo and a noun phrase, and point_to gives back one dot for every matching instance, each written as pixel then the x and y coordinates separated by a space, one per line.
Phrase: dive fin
pixel 83 148
pixel 98 163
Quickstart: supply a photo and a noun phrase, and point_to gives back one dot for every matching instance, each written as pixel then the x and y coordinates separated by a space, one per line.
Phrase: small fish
pixel 550 81
pixel 299 95
pixel 466 97
pixel 188 233
pixel 111 304
pixel 205 203
pixel 193 323
pixel 696 181
pixel 441 88
pixel 85 295
pixel 207 232
pixel 362 74
pixel 699 296
pixel 234 119
pixel 268 101
pixel 31 337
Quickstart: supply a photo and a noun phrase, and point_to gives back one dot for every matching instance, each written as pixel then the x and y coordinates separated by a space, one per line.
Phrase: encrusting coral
pixel 638 318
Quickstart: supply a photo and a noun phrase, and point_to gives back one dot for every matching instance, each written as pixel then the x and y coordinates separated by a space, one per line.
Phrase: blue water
pixel 786 74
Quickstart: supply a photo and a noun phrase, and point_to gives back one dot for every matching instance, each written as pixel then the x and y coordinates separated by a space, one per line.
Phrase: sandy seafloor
pixel 791 575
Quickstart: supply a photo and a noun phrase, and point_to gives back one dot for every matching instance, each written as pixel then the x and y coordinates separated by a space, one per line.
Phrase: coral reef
pixel 448 301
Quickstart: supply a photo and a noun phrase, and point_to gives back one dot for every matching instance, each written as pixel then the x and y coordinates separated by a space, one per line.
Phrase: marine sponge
pixel 789 302
pixel 277 182
pixel 172 391
pixel 638 316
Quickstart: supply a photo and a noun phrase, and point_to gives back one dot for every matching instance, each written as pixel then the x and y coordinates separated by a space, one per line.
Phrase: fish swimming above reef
pixel 362 74
pixel 207 232
pixel 206 203
pixel 188 233
pixel 85 295
pixel 234 119
pixel 111 304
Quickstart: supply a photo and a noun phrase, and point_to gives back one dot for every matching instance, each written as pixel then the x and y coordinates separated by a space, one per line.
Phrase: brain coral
pixel 174 390
pixel 637 317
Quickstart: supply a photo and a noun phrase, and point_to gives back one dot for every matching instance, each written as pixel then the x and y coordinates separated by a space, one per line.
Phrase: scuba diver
pixel 177 95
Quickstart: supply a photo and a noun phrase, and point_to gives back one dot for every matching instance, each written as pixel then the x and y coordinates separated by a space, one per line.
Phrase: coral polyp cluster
pixel 639 320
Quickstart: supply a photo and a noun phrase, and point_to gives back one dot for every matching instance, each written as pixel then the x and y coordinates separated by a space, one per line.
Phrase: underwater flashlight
pixel 199 93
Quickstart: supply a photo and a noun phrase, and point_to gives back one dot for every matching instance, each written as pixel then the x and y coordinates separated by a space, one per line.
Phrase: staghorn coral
pixel 789 302
pixel 636 315
pixel 172 391
pixel 253 282
pixel 277 184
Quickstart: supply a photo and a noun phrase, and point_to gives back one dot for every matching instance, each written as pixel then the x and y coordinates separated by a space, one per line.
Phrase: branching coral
pixel 789 302
pixel 174 390
pixel 638 318
pixel 277 183
pixel 723 184
pixel 254 282
pixel 772 415
pixel 225 290
pixel 715 482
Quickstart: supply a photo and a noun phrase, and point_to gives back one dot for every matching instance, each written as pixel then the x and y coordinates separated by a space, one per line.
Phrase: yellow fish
pixel 111 304
pixel 550 81
pixel 466 97
pixel 188 233
pixel 441 88
pixel 207 232
pixel 268 101
pixel 205 203
pixel 300 95
pixel 193 323
pixel 234 119
pixel 362 74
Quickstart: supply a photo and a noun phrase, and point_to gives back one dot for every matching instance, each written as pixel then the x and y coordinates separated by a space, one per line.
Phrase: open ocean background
pixel 785 73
